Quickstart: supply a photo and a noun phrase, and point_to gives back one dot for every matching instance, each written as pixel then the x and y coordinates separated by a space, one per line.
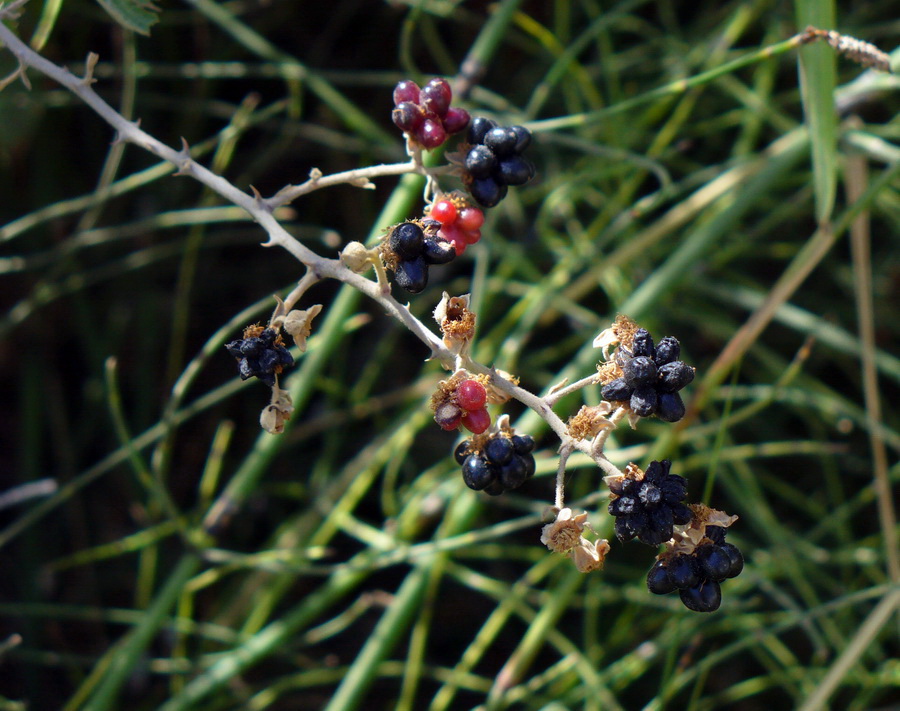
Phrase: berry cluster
pixel 649 506
pixel 460 223
pixel 425 114
pixel 413 252
pixel 651 378
pixel 495 160
pixel 260 352
pixel 466 405
pixel 498 463
pixel 696 575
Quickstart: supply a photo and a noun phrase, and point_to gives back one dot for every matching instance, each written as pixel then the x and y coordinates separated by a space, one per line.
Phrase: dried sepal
pixel 277 412
pixel 621 332
pixel 298 323
pixel 589 556
pixel 496 396
pixel 588 422
pixel 564 534
pixel 457 323
pixel 687 538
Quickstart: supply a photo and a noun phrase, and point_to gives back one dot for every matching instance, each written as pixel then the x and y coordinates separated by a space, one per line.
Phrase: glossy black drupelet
pixel 504 463
pixel 494 160
pixel 414 253
pixel 259 356
pixel 651 378
pixel 650 509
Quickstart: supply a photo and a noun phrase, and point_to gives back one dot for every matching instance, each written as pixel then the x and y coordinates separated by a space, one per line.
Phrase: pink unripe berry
pixel 471 237
pixel 456 120
pixel 470 219
pixel 443 211
pixel 406 91
pixel 471 395
pixel 430 134
pixel 435 97
pixel 478 421
pixel 407 116
pixel 448 416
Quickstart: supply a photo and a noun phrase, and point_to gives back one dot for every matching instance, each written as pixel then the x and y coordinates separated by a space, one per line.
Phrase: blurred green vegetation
pixel 678 183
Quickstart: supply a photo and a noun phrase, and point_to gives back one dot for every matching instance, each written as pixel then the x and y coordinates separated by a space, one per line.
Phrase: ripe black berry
pixel 683 571
pixel 412 275
pixel 670 407
pixel 713 562
pixel 436 250
pixel 461 453
pixel 407 240
pixel 716 533
pixel 499 450
pixel 478 128
pixel 674 376
pixel 501 140
pixel 523 138
pixel 639 371
pixel 487 192
pixel 643 401
pixel 658 581
pixel 514 473
pixel 523 443
pixel 480 162
pixel 514 170
pixel 617 390
pixel 704 597
pixel 478 473
pixel 736 560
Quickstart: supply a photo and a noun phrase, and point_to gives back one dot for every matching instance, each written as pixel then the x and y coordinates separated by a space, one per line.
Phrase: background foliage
pixel 354 570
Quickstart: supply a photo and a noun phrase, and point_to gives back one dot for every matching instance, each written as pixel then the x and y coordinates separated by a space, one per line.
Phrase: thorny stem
pixel 261 211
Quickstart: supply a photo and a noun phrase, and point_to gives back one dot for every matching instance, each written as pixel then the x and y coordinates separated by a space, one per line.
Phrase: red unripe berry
pixel 443 211
pixel 430 134
pixel 478 421
pixel 470 219
pixel 406 91
pixel 471 395
pixel 436 96
pixel 448 416
pixel 472 236
pixel 456 120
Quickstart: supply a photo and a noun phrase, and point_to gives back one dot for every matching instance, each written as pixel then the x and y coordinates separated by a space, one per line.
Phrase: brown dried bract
pixel 588 422
pixel 456 321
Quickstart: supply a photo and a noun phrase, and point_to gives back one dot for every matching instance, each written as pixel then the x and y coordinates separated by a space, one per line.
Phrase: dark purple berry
pixel 643 401
pixel 487 192
pixel 670 407
pixel 705 597
pixel 674 376
pixel 406 91
pixel 683 571
pixel 736 560
pixel 437 250
pixel 456 120
pixel 252 346
pixel 431 134
pixel 407 117
pixel 523 443
pixel 501 140
pixel 480 162
pixel 616 391
pixel 642 345
pixel 478 128
pixel 523 138
pixel 514 170
pixel 435 97
pixel 713 562
pixel 448 416
pixel 478 473
pixel 513 474
pixel 461 453
pixel 667 350
pixel 407 240
pixel 530 465
pixel 658 579
pixel 412 275
pixel 499 450
pixel 639 371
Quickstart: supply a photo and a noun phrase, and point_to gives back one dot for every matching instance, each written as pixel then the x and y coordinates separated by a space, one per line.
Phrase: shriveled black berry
pixel 252 346
pixel 736 560
pixel 616 390
pixel 437 250
pixel 523 443
pixel 642 345
pixel 667 350
pixel 514 170
pixel 267 360
pixel 649 494
pixel 268 336
pixel 674 376
pixel 623 506
pixel 659 527
pixel 487 192
pixel 480 162
pixel 643 401
pixel 513 474
pixel 501 140
pixel 248 367
pixel 523 138
pixel 478 473
pixel 499 450
pixel 705 597
pixel 267 378
pixel 681 514
pixel 478 128
pixel 658 579
pixel 407 240
pixel 713 562
pixel 683 571
pixel 670 407
pixel 461 453
pixel 234 348
pixel 412 275
pixel 530 465
pixel 639 371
